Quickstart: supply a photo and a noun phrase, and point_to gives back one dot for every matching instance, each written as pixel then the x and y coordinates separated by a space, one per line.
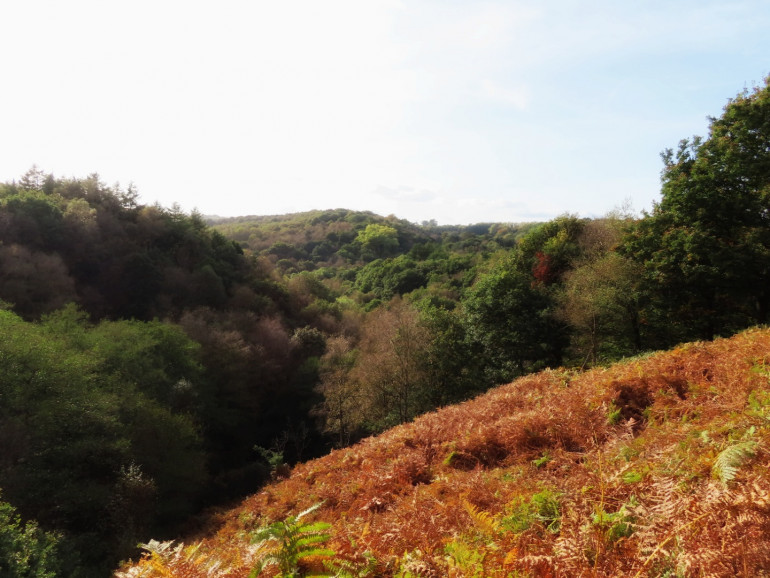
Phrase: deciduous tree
pixel 509 315
pixel 706 245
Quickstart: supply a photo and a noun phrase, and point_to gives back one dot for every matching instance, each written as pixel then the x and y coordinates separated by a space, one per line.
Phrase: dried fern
pixel 164 559
pixel 484 521
pixel 730 460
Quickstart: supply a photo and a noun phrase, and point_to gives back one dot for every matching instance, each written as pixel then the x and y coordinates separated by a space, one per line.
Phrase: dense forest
pixel 155 363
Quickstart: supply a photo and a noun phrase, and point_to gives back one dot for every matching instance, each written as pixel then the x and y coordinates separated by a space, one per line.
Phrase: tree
pixel 33 179
pixel 36 220
pixel 344 407
pixel 509 315
pixel 452 363
pixel 85 451
pixel 63 440
pixel 35 282
pixel 377 241
pixel 389 367
pixel 25 550
pixel 548 250
pixel 387 278
pixel 600 302
pixel 599 296
pixel 706 245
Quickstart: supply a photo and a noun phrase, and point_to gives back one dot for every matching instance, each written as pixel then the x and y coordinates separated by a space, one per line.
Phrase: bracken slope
pixel 657 466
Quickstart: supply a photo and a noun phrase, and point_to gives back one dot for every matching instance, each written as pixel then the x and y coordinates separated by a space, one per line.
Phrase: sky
pixel 456 111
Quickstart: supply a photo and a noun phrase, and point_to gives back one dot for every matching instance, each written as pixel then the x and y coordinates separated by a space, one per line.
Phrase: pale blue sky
pixel 459 111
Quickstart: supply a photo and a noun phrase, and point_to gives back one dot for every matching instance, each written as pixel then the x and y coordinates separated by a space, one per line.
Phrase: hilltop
pixel 654 466
pixel 315 240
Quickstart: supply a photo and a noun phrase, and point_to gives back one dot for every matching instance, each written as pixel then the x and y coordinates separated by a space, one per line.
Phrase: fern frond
pixel 730 460
pixel 310 510
pixel 162 548
pixel 324 552
pixel 292 540
pixel 305 540
pixel 342 568
pixel 484 521
pixel 315 527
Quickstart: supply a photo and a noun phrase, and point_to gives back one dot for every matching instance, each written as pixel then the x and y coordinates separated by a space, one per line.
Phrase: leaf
pixel 316 552
pixel 315 527
pixel 310 510
pixel 730 460
pixel 511 556
pixel 484 521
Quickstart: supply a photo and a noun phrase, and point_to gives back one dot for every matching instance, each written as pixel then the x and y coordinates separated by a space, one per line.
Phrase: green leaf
pixel 730 460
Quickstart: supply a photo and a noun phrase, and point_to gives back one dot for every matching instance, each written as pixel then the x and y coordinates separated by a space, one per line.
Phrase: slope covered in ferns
pixel 656 466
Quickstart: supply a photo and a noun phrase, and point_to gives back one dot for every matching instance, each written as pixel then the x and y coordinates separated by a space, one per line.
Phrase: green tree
pixel 706 245
pixel 387 278
pixel 62 435
pixel 547 252
pixel 509 316
pixel 25 550
pixel 34 281
pixel 36 219
pixel 451 362
pixel 86 451
pixel 33 179
pixel 377 241
pixel 159 358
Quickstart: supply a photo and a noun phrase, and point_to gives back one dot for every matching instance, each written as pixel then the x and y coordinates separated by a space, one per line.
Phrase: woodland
pixel 157 366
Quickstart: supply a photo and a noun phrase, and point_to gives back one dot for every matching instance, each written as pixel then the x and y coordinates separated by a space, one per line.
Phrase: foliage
pixel 453 365
pixel 465 559
pixel 342 568
pixel 705 246
pixel 273 457
pixel 731 458
pixel 344 406
pixel 547 252
pixel 509 317
pixel 84 442
pixel 25 550
pixel 294 541
pixel 616 525
pixel 599 301
pixel 542 508
pixel 389 277
pixel 389 368
pixel 377 240
pixel 490 512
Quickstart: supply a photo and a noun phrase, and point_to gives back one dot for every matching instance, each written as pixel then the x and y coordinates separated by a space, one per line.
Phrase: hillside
pixel 342 238
pixel 153 367
pixel 656 466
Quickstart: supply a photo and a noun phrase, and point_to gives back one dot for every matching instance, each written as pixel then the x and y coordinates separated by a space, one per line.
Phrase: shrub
pixel 25 550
